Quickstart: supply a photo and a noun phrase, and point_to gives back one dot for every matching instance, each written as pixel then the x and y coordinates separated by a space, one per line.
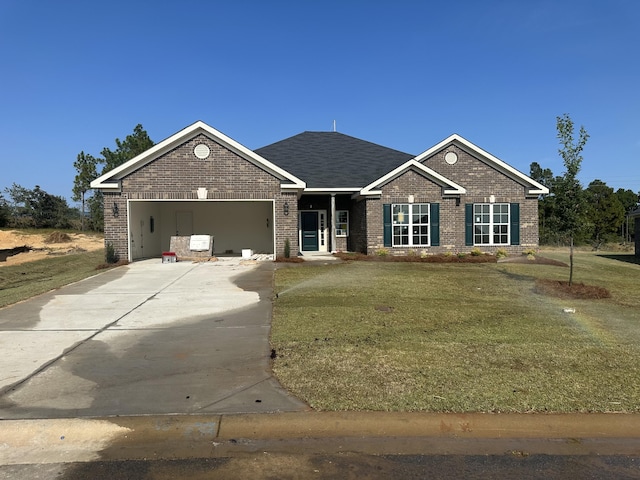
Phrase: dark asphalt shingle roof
pixel 332 159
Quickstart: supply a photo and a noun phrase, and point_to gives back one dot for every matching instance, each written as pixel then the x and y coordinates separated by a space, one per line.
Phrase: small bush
pixel 476 252
pixel 501 253
pixel 110 254
pixel 382 252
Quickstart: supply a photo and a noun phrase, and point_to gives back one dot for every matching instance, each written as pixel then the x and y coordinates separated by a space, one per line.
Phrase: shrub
pixel 110 254
pixel 382 252
pixel 476 252
pixel 501 253
pixel 287 248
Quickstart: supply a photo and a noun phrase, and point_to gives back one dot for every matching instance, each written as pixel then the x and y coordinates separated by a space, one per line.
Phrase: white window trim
pixel 410 226
pixel 491 225
pixel 343 235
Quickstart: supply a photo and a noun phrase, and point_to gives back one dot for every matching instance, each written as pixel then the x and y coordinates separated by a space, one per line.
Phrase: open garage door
pixel 234 225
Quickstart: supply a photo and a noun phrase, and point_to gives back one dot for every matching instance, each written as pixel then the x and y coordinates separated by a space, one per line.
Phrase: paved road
pixel 148 338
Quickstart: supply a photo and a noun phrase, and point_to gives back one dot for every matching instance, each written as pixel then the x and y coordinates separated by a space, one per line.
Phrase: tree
pixel 606 213
pixel 131 146
pixel 19 205
pixel 85 165
pixel 547 215
pixel 629 201
pixel 37 208
pixel 96 211
pixel 567 189
pixel 4 212
pixel 540 175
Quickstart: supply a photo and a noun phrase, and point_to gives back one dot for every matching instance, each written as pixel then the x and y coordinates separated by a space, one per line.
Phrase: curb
pixel 201 436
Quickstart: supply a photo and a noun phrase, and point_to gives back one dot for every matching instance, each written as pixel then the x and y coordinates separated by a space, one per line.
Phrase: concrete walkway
pixel 147 338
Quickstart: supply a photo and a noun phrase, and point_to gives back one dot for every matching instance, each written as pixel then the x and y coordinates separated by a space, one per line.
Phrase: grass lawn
pixel 458 337
pixel 26 280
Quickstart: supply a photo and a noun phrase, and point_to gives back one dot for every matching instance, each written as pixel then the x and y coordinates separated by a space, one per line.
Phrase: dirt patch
pixel 289 259
pixel 18 247
pixel 562 289
pixel 57 237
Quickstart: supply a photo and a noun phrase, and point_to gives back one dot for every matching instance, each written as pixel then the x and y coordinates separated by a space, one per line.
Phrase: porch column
pixel 333 223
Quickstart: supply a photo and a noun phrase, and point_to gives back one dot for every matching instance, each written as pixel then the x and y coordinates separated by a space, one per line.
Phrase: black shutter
pixel 434 224
pixel 386 221
pixel 514 212
pixel 468 224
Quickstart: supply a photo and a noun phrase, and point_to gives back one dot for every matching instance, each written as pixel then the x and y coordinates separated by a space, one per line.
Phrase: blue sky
pixel 403 74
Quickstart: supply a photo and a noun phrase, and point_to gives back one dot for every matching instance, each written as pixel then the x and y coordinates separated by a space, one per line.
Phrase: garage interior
pixel 235 225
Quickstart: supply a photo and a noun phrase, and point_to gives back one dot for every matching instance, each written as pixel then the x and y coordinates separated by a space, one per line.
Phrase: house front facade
pixel 318 192
pixel 635 214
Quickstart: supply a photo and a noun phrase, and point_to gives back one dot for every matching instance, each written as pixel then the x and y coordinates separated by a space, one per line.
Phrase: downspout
pixel 333 223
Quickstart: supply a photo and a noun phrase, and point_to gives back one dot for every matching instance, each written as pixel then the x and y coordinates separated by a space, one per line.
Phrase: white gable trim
pixel 448 187
pixel 534 188
pixel 111 179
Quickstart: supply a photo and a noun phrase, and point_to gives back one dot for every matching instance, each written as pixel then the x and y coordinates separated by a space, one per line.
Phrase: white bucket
pixel 247 253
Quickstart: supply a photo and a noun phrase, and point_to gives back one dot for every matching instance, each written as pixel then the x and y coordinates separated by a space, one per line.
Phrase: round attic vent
pixel 451 158
pixel 201 151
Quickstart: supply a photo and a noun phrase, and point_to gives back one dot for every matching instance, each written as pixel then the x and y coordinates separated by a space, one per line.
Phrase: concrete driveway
pixel 147 338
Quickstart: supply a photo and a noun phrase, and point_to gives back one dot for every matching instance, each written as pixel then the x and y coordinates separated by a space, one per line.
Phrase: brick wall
pixel 358 226
pixel 179 173
pixel 479 179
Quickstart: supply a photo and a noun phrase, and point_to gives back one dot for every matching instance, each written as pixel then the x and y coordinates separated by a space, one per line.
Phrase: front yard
pixel 458 337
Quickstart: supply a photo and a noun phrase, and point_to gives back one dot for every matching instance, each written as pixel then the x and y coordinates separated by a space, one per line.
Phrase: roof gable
pixel 330 160
pixel 111 179
pixel 532 187
pixel 448 187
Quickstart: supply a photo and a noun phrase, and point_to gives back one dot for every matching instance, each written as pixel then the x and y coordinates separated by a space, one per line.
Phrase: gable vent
pixel 201 151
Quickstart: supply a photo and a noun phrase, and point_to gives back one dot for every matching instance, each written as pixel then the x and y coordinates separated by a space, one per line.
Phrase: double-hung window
pixel 491 224
pixel 342 223
pixel 410 224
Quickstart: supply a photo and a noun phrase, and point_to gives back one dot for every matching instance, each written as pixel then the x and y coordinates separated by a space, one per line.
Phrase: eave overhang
pixel 532 187
pixel 449 188
pixel 111 181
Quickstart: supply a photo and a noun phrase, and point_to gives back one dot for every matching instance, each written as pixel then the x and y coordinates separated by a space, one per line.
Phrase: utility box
pixel 169 257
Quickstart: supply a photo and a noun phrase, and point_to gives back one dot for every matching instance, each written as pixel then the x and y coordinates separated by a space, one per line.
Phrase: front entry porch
pixel 313 231
pixel 323 222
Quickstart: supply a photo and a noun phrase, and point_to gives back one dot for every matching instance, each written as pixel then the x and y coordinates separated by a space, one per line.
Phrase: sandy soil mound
pixel 43 245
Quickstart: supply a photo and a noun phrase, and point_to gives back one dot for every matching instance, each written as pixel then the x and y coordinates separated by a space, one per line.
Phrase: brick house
pixel 635 214
pixel 321 191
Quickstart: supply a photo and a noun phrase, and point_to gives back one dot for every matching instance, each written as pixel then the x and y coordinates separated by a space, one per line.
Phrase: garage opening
pixel 234 225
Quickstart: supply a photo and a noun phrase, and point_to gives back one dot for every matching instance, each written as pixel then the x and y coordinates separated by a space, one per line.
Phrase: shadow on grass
pixel 621 257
